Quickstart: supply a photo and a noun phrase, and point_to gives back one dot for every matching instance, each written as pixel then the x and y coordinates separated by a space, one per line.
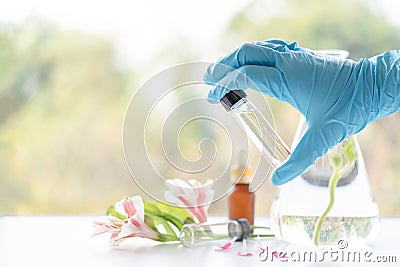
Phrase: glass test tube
pixel 257 128
pixel 235 230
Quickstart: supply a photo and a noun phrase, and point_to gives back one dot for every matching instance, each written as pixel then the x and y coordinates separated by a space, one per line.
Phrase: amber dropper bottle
pixel 241 200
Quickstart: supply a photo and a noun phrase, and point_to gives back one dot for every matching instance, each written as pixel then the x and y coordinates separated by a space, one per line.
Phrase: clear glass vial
pixel 257 128
pixel 233 230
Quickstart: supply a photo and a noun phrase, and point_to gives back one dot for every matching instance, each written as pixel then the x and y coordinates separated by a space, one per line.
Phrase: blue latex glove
pixel 337 97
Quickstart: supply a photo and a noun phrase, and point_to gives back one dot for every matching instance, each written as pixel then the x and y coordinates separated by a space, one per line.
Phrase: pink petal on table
pixel 279 255
pixel 225 246
pixel 262 249
pixel 244 254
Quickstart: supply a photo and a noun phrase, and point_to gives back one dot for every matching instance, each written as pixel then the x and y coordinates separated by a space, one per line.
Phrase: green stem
pixel 175 221
pixel 253 227
pixel 336 175
pixel 167 238
pixel 264 235
pixel 332 185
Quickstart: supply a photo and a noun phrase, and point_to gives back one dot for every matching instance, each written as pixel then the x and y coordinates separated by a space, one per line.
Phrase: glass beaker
pixel 354 216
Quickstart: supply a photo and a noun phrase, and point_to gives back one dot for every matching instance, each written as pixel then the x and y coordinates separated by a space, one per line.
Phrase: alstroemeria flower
pixel 192 195
pixel 132 209
pixel 108 224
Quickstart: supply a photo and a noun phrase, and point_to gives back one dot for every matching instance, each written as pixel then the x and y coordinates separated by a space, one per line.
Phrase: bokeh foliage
pixel 63 97
pixel 351 25
pixel 60 130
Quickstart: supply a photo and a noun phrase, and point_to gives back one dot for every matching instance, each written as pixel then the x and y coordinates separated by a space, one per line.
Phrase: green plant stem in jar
pixel 336 161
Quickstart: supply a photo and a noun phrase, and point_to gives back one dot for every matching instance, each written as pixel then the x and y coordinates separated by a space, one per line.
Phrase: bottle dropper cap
pixel 231 98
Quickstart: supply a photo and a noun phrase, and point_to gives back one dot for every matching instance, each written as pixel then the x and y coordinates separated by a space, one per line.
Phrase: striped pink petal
pixel 129 207
pixel 192 195
pixel 107 224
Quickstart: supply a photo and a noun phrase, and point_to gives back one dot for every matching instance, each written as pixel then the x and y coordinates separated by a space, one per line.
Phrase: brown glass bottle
pixel 241 200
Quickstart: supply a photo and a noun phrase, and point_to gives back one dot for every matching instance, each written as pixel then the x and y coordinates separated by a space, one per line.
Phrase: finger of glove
pixel 246 54
pixel 283 46
pixel 311 146
pixel 267 80
pixel 279 45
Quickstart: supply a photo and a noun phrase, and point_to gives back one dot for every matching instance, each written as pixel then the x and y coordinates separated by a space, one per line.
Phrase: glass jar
pixel 354 216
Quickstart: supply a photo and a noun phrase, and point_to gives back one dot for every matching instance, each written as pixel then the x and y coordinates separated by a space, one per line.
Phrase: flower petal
pixel 192 195
pixel 107 224
pixel 244 254
pixel 225 246
pixel 128 206
pixel 136 229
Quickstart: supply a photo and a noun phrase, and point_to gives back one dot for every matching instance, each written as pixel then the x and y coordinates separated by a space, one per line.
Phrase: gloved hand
pixel 337 97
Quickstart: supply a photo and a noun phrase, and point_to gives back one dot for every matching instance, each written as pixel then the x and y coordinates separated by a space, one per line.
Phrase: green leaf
pixel 335 161
pixel 170 235
pixel 158 217
pixel 189 220
pixel 181 215
pixel 350 151
pixel 150 208
pixel 166 215
pixel 165 223
pixel 112 212
pixel 149 221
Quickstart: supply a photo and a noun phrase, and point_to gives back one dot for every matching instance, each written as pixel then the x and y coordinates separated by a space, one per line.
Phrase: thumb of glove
pixel 311 146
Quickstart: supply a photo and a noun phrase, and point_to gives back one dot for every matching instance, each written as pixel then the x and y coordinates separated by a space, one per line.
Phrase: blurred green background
pixel 64 92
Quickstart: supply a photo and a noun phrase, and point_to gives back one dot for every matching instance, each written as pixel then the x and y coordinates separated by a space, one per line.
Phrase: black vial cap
pixel 231 98
pixel 244 225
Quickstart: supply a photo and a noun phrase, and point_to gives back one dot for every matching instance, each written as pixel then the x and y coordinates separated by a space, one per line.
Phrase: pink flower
pixel 133 226
pixel 108 224
pixel 192 195
pixel 133 209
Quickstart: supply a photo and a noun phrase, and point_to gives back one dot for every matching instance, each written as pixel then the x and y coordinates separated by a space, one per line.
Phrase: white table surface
pixel 67 241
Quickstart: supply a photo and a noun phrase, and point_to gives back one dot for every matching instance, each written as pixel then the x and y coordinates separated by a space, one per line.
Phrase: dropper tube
pixel 257 128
